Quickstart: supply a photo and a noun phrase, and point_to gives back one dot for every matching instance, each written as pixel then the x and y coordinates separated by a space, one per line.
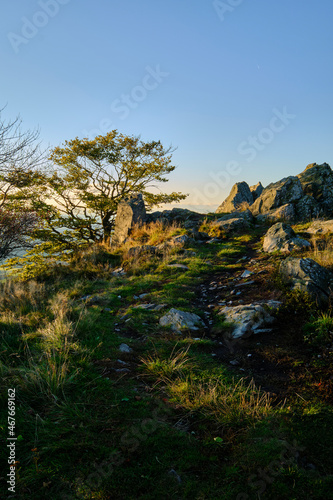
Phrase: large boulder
pixel 317 182
pixel 181 320
pixel 131 210
pixel 308 276
pixel 282 237
pixel 240 193
pixel 279 193
pixel 250 318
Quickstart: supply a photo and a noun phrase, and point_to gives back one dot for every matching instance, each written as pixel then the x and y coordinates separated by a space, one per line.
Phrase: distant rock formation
pixel 300 197
pixel 131 210
pixel 239 194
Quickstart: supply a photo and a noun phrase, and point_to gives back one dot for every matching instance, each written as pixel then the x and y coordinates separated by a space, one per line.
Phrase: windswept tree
pixel 78 200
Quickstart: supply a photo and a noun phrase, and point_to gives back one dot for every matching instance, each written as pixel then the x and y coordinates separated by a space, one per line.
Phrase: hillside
pixel 111 404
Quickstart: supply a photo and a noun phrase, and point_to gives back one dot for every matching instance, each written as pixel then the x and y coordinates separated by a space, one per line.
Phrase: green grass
pixel 167 420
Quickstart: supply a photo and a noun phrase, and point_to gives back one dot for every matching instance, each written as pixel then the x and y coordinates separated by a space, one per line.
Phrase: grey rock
pixel 321 227
pixel 120 271
pixel 286 213
pixel 256 190
pixel 125 348
pixel 281 237
pixel 245 214
pixel 240 193
pixel 236 224
pixel 317 182
pixel 275 195
pixel 180 320
pixel 250 318
pixel 131 210
pixel 178 266
pixel 308 276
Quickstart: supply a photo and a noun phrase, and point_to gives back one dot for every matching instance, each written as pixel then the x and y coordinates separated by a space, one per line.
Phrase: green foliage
pixel 319 331
pixel 76 201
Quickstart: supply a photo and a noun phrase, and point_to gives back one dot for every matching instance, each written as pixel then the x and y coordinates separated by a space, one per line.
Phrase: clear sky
pixel 242 88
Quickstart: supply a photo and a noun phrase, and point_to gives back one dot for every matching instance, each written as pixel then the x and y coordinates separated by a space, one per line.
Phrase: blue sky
pixel 242 88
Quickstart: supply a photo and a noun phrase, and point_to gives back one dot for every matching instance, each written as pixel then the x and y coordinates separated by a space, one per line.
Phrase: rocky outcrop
pixel 181 320
pixel 256 190
pixel 301 197
pixel 317 182
pixel 282 237
pixel 279 193
pixel 285 213
pixel 240 194
pixel 131 210
pixel 308 276
pixel 250 318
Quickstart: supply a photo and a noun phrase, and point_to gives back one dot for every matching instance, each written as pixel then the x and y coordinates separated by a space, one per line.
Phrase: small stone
pixel 125 348
pixel 246 274
pixel 234 362
pixel 178 266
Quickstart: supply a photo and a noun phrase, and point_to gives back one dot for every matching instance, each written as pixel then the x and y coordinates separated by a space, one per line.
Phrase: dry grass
pixel 322 250
pixel 153 233
pixel 22 297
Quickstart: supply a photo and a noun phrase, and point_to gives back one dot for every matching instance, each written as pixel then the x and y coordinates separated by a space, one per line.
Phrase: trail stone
pixel 308 276
pixel 250 318
pixel 240 193
pixel 125 348
pixel 180 320
pixel 178 266
pixel 281 237
pixel 131 210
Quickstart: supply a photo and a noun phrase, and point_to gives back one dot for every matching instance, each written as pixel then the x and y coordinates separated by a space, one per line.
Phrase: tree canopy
pixel 76 200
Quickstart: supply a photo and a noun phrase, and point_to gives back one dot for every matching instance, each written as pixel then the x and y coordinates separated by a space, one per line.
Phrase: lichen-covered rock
pixel 308 276
pixel 317 182
pixel 306 208
pixel 283 238
pixel 286 213
pixel 275 195
pixel 240 193
pixel 181 320
pixel 131 210
pixel 236 224
pixel 250 318
pixel 245 214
